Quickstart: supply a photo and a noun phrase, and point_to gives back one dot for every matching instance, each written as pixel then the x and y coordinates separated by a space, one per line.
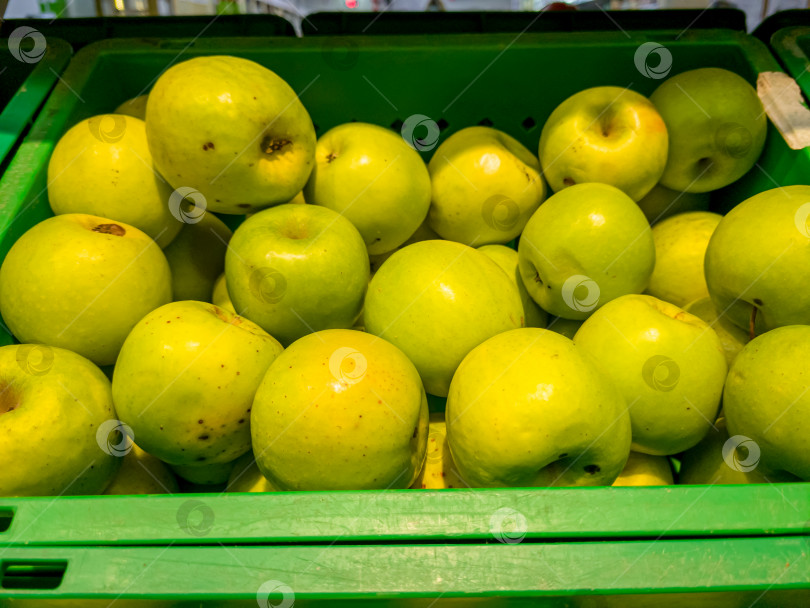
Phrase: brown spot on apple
pixel 270 144
pixel 114 229
pixel 9 398
pixel 568 181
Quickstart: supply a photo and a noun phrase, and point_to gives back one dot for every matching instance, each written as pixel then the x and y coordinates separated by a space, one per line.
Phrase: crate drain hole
pixel 6 515
pixel 19 574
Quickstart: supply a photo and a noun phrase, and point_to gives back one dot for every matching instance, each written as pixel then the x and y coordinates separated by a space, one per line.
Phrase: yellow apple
pixel 680 246
pixel 716 460
pixel 232 130
pixel 374 179
pixel 609 135
pixel 102 166
pixel 645 470
pixel 135 107
pixel 731 337
pixel 485 186
pixel 142 473
pixel 340 410
pixel 246 477
pixel 439 471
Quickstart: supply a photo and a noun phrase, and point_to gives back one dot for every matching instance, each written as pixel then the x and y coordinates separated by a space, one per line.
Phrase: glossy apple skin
pixel 507 259
pixel 295 269
pixel 608 135
pixel 716 125
pixel 197 257
pixel 102 166
pixel 680 247
pixel 185 380
pixel 436 301
pixel 485 186
pixel 584 247
pixel 232 130
pixel 374 179
pixel 67 283
pixel 705 463
pixel 340 410
pixel 49 445
pixel 668 365
pixel 767 399
pixel 527 408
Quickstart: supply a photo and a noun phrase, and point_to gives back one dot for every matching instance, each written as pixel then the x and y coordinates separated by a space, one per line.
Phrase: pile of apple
pixel 298 351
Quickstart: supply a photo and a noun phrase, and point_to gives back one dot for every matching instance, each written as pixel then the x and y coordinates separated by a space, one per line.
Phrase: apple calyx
pixel 270 144
pixel 114 229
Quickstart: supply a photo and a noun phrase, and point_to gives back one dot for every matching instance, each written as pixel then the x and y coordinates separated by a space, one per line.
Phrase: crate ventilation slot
pixel 18 574
pixel 485 122
pixel 529 123
pixel 6 515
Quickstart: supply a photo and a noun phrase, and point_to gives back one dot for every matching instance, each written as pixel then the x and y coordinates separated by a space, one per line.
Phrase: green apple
pixel 439 471
pixel 485 186
pixel 197 257
pixel 645 470
pixel 507 259
pixel 232 130
pixel 662 202
pixel 102 166
pixel 719 459
pixel 55 410
pixel 82 282
pixel 584 247
pixel 767 399
pixel 437 300
pixel 527 408
pixel 185 380
pixel 340 410
pixel 731 337
pixel 142 473
pixel 219 294
pixel 246 476
pixel 758 260
pixel 206 474
pixel 716 126
pixel 668 364
pixel 135 107
pixel 680 246
pixel 609 135
pixel 565 327
pixel 374 179
pixel 295 269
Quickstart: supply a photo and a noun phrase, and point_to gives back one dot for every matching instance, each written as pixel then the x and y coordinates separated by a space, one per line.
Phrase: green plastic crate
pixel 721 573
pixel 792 46
pixel 28 73
pixel 739 543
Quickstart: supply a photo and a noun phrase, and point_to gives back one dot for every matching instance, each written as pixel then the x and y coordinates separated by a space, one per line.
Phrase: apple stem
pixel 751 331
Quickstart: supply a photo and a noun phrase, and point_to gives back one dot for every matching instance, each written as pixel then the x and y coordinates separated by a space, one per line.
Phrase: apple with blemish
pixel 231 129
pixel 82 282
pixel 185 380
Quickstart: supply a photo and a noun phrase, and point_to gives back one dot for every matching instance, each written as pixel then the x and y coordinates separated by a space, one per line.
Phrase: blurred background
pixel 296 10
